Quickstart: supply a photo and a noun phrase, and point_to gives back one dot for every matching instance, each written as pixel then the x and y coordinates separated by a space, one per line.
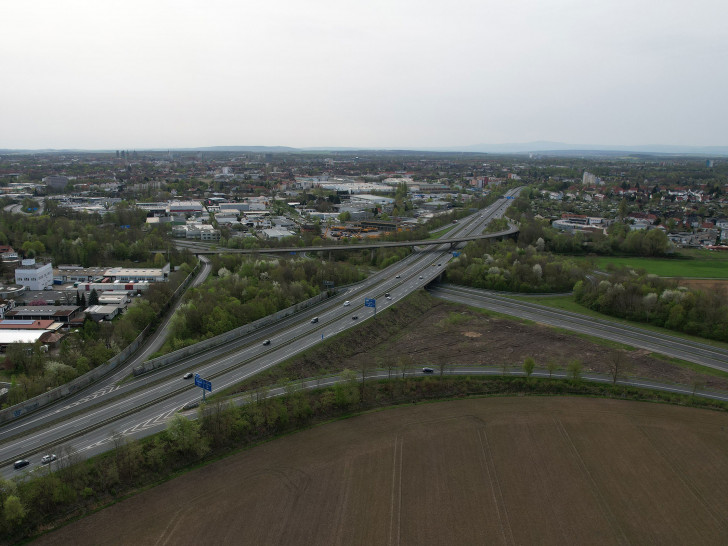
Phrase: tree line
pixel 243 289
pixel 73 487
pixel 507 266
pixel 636 295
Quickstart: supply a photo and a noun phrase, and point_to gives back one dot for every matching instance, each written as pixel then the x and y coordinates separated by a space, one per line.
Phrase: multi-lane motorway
pixel 142 405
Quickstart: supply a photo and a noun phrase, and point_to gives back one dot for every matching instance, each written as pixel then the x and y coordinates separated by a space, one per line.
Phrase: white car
pixel 347 303
pixel 47 459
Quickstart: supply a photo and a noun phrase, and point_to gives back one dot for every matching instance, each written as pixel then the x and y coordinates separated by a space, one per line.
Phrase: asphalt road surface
pixel 142 405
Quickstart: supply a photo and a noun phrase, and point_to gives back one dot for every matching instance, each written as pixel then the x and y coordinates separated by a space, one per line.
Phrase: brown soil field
pixel 707 285
pixel 439 331
pixel 512 470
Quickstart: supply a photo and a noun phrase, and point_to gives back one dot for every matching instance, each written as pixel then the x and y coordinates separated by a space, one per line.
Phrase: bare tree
pixel 405 364
pixel 618 365
pixel 391 366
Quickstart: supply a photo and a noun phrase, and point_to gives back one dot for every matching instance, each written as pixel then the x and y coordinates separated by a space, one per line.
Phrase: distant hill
pixel 538 147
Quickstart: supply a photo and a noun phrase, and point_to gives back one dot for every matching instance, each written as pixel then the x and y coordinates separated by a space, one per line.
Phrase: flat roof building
pixel 34 276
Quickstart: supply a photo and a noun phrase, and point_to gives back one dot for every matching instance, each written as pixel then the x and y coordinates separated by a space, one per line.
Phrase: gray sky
pixel 375 73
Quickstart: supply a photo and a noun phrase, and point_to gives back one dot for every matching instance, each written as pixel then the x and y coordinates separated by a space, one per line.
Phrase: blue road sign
pixel 455 254
pixel 203 383
pixel 370 302
pixel 510 197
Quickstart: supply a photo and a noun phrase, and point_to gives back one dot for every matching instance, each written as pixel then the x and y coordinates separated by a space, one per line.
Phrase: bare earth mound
pixel 480 471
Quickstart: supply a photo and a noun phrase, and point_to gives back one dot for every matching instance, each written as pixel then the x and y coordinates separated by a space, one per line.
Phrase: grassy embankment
pixel 690 263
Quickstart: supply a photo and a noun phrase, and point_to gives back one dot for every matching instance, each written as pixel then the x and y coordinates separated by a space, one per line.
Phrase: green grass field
pixel 690 264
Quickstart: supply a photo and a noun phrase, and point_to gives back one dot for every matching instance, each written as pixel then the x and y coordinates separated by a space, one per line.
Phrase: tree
pixel 14 510
pixel 551 367
pixel 93 298
pixel 617 364
pixel 184 437
pixel 574 369
pixel 528 365
pixel 405 364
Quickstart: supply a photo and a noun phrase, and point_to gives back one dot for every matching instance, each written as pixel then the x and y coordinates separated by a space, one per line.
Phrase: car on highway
pixel 439 265
pixel 355 317
pixel 266 342
pixel 21 463
pixel 48 459
pixel 397 276
pixel 314 320
pixel 420 277
pixel 428 370
pixel 188 375
pixel 347 303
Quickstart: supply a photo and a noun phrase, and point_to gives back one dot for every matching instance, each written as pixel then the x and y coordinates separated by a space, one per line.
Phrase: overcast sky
pixel 372 73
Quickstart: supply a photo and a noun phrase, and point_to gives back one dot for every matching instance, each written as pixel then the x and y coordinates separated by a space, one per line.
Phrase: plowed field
pixel 481 471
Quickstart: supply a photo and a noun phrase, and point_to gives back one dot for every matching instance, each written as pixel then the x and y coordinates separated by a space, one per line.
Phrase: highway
pixel 673 346
pixel 142 404
pixel 203 248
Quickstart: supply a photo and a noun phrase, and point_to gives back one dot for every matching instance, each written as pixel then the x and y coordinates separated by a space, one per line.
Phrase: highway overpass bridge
pixel 202 248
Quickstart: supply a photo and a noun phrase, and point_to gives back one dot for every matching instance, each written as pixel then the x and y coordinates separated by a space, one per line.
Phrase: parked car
pixel 188 375
pixel 266 342
pixel 428 370
pixel 47 459
pixel 21 463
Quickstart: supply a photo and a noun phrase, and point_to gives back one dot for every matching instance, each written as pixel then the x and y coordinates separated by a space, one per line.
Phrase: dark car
pixel 355 317
pixel 266 342
pixel 21 463
pixel 428 370
pixel 314 320
pixel 188 375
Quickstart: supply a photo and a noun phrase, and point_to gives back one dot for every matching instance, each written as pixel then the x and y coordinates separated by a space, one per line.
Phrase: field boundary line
pixel 608 514
pixel 396 478
pixel 500 504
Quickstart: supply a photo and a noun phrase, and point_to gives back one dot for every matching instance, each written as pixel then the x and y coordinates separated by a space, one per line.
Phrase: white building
pixel 135 274
pixel 34 276
pixel 277 233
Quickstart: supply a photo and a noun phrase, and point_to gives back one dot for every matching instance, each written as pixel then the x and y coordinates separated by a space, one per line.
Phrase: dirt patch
pixel 706 285
pixel 478 471
pixel 434 332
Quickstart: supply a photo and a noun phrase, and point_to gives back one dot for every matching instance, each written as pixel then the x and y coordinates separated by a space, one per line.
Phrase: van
pixel 314 320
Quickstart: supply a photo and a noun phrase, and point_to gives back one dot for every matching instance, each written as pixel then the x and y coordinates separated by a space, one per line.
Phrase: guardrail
pixel 227 337
pixel 90 377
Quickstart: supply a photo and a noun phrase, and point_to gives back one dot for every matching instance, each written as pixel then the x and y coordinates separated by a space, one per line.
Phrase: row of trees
pixel 72 487
pixel 636 295
pixel 120 236
pixel 242 290
pixel 510 267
